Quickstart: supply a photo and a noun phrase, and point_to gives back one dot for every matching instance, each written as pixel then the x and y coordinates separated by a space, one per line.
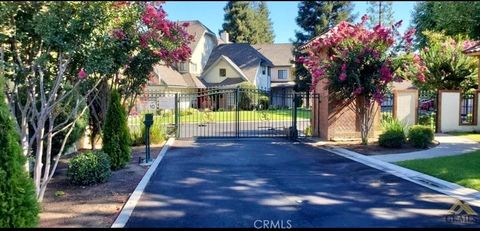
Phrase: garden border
pixel 132 201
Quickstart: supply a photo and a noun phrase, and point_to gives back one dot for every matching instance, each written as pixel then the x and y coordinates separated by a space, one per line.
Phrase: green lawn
pixel 463 169
pixel 468 135
pixel 225 116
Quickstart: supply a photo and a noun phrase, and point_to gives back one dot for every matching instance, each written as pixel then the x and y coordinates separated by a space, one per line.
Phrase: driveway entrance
pixel 272 182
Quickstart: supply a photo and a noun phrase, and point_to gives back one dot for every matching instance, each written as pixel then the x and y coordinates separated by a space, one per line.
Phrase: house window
pixel 264 70
pixel 269 70
pixel 193 67
pixel 223 72
pixel 468 107
pixel 183 67
pixel 282 74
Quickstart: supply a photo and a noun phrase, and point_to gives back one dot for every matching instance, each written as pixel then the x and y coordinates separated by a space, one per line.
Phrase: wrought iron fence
pixel 427 108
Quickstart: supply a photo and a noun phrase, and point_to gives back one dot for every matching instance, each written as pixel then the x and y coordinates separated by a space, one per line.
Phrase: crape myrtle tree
pixel 448 67
pixel 315 18
pixel 362 63
pixel 58 53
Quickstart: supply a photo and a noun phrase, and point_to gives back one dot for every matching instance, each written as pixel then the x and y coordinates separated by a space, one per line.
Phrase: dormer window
pixel 183 67
pixel 223 72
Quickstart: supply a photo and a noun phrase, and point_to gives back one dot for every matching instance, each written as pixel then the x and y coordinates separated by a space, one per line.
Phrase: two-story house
pixel 282 73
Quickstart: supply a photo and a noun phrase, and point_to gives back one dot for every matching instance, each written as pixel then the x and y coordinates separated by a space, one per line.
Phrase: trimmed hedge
pixel 420 136
pixel 89 168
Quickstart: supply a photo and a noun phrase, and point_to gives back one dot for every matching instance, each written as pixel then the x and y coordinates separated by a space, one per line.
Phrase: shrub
pixel 394 134
pixel 308 131
pixel 420 136
pixel 247 95
pixel 264 102
pixel 89 168
pixel 157 134
pixel 18 202
pixel 136 136
pixel 188 111
pixel 116 137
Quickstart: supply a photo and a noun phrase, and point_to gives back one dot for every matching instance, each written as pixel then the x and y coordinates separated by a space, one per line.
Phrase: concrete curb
pixel 468 195
pixel 127 209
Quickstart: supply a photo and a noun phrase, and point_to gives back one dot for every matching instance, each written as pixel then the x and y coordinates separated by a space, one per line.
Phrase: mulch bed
pixel 91 206
pixel 374 149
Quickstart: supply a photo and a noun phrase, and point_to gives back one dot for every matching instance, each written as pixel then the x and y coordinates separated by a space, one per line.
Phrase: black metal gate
pixel 239 112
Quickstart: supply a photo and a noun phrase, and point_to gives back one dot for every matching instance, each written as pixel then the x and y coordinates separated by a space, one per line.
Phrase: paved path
pixel 243 183
pixel 450 145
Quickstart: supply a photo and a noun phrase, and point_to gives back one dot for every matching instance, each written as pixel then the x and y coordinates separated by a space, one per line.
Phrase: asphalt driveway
pixel 272 182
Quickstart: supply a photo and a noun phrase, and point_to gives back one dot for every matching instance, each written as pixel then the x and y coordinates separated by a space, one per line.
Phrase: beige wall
pixel 213 75
pixel 449 113
pixel 275 73
pixel 201 53
pixel 405 110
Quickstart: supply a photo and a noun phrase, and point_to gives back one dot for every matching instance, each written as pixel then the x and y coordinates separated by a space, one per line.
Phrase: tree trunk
pixel 37 176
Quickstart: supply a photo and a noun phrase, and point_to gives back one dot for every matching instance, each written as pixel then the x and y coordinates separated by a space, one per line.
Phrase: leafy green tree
pixel 248 22
pixel 18 202
pixel 453 18
pixel 315 18
pixel 116 136
pixel 380 12
pixel 448 68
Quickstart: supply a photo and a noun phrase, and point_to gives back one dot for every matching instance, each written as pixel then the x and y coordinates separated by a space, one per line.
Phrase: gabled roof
pixel 242 55
pixel 473 50
pixel 172 78
pixel 279 53
pixel 229 61
pixel 225 83
pixel 327 34
pixel 197 29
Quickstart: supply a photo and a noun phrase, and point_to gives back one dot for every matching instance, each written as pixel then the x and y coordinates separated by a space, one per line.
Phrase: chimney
pixel 224 36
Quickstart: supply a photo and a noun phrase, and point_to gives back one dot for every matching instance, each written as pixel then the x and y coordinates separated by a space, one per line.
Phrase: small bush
pixel 420 136
pixel 394 134
pixel 308 131
pixel 136 136
pixel 157 134
pixel 264 102
pixel 89 168
pixel 188 111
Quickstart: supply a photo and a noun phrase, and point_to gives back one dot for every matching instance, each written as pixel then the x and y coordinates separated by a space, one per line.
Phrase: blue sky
pixel 282 14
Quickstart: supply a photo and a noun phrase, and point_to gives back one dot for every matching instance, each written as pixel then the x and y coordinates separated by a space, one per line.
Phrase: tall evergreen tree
pixel 380 12
pixel 247 21
pixel 18 203
pixel 116 136
pixel 422 20
pixel 265 25
pixel 315 18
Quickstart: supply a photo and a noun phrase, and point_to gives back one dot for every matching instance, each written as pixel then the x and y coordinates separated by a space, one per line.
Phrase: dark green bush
pixel 247 96
pixel 18 203
pixel 89 168
pixel 264 102
pixel 420 136
pixel 392 139
pixel 116 135
pixel 393 135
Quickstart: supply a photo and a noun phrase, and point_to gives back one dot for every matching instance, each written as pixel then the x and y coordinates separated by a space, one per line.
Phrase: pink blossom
pixel 344 67
pixel 364 18
pixel 421 77
pixel 358 91
pixel 342 76
pixel 82 74
pixel 118 34
pixel 426 49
